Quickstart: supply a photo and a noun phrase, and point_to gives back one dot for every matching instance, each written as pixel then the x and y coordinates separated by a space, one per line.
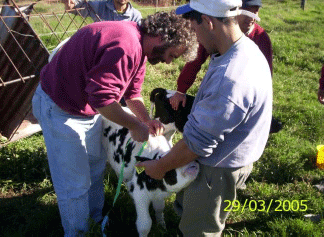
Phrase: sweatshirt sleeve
pixel 108 79
pixel 262 39
pixel 137 17
pixel 266 48
pixel 79 4
pixel 135 87
pixel 189 72
pixel 89 8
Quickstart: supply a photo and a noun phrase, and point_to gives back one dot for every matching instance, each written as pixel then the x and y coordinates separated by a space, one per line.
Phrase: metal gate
pixel 27 36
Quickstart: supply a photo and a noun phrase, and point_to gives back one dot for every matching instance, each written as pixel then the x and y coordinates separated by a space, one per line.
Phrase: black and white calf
pixel 144 190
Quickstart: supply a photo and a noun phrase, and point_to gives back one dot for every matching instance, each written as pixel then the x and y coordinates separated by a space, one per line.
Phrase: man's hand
pixel 321 96
pixel 69 4
pixel 155 127
pixel 178 156
pixel 114 112
pixel 176 99
pixel 152 169
pixel 140 133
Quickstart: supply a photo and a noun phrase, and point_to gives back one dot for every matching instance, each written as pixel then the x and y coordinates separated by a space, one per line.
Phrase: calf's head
pixel 169 117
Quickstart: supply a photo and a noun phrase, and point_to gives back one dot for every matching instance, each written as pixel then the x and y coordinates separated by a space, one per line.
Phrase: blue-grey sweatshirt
pixel 230 119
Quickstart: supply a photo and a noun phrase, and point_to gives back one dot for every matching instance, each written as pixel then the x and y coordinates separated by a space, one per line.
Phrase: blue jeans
pixel 76 160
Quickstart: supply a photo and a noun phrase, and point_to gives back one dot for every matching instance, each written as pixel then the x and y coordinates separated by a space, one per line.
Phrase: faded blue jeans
pixel 76 160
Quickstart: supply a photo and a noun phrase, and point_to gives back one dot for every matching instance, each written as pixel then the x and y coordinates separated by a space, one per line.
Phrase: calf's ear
pixel 142 158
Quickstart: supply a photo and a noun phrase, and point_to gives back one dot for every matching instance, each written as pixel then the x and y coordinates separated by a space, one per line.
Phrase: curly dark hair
pixel 174 30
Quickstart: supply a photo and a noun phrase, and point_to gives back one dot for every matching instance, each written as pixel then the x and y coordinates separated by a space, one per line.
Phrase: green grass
pixel 54 19
pixel 286 171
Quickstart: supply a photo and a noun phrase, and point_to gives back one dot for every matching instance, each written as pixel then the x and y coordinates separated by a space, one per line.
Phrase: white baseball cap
pixel 215 8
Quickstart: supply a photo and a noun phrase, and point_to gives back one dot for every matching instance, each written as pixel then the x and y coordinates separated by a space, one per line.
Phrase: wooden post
pixel 302 4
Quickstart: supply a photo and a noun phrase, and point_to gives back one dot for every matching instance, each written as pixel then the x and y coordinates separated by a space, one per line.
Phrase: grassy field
pixel 280 190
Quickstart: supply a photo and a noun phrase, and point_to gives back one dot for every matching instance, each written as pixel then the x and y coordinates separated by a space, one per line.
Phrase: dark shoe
pixel 276 125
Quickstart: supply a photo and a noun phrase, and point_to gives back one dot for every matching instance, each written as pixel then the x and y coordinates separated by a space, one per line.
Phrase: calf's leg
pixel 158 205
pixel 143 221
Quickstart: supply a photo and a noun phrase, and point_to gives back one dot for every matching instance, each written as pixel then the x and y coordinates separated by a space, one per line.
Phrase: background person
pixel 110 10
pixel 90 74
pixel 321 88
pixel 229 123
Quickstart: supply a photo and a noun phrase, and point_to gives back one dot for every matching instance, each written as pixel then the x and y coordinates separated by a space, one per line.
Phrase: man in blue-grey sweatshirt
pixel 229 123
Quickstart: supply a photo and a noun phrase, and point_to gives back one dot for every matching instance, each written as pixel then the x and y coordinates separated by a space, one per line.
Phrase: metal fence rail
pixel 26 35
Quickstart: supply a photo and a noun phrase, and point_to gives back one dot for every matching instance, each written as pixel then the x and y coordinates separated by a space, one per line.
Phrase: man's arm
pixel 178 156
pixel 187 77
pixel 320 95
pixel 81 7
pixel 136 105
pixel 321 80
pixel 264 43
pixel 114 112
pixel 266 48
pixel 189 72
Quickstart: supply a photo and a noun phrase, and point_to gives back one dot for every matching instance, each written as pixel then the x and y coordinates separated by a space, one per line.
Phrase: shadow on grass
pixel 27 163
pixel 28 206
pixel 27 215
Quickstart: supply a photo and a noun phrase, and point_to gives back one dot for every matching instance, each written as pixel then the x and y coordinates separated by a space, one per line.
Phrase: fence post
pixel 302 4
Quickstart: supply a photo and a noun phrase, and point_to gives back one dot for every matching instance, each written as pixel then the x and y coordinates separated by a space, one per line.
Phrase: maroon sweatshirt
pixel 101 63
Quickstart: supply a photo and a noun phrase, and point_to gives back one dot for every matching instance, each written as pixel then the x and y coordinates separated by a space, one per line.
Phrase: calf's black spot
pixel 119 153
pixel 121 134
pixel 117 157
pixel 171 177
pixel 106 131
pixel 151 184
pixel 129 151
pixel 131 189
